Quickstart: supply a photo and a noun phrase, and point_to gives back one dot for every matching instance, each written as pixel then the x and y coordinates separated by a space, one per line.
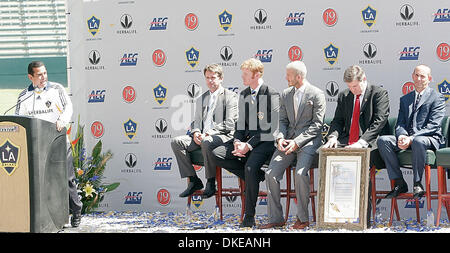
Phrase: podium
pixel 34 195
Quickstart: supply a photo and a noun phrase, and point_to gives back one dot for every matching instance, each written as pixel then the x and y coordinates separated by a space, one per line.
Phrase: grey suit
pixel 223 122
pixel 306 132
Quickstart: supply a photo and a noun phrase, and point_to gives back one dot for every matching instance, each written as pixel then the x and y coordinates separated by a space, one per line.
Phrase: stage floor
pixel 201 222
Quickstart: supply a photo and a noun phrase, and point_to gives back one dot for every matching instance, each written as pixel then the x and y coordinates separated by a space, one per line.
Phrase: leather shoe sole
pixel 300 225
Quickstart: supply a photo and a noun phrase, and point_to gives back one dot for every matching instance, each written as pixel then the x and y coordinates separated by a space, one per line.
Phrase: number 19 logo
pixel 443 52
pixel 163 197
pixel 330 17
pixel 159 58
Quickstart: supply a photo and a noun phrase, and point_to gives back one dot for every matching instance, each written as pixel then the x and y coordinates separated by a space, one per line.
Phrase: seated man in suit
pixel 253 142
pixel 361 113
pixel 215 117
pixel 418 128
pixel 302 108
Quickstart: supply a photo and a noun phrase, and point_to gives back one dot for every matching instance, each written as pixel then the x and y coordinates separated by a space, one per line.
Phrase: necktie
pixel 411 119
pixel 209 114
pixel 296 103
pixel 253 93
pixel 354 128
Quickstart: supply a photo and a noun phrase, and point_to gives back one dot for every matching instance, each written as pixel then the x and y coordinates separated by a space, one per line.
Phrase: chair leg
pixel 440 192
pixel 393 207
pixel 428 186
pixel 219 190
pixel 373 192
pixel 417 211
pixel 242 188
pixel 288 192
pixel 313 198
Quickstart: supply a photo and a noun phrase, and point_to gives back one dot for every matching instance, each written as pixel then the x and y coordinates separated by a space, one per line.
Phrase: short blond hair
pixel 299 67
pixel 254 65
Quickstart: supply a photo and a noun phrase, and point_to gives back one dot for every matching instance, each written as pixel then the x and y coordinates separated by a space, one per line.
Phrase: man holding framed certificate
pixel 361 113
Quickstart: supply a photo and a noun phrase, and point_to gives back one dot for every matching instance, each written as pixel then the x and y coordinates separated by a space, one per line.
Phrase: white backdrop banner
pixel 135 71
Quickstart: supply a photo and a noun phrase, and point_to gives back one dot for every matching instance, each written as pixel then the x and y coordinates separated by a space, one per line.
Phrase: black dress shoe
pixel 418 191
pixel 402 188
pixel 248 222
pixel 210 190
pixel 75 220
pixel 193 186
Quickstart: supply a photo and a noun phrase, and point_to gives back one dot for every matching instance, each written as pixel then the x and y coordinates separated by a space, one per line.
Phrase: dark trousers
pixel 247 168
pixel 75 204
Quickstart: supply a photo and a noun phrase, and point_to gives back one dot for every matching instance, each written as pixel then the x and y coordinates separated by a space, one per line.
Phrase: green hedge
pixel 13 72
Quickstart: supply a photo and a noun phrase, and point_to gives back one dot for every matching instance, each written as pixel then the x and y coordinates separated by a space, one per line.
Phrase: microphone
pixel 18 103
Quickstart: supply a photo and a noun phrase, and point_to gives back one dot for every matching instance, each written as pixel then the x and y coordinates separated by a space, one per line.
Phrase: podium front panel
pixel 14 178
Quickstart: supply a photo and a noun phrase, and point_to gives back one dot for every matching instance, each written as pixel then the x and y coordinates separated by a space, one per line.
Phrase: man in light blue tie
pixel 418 128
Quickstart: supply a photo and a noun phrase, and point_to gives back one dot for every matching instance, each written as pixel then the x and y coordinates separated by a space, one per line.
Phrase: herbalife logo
pixel 226 53
pixel 260 17
pixel 193 90
pixel 370 51
pixel 94 60
pixel 130 160
pixel 407 13
pixel 161 127
pixel 126 21
pixel 94 57
pixel 332 89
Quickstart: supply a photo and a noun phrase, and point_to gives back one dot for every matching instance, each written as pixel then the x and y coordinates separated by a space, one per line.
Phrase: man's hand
pixel 281 144
pixel 331 143
pixel 291 147
pixel 404 142
pixel 240 149
pixel 198 137
pixel 354 145
pixel 59 125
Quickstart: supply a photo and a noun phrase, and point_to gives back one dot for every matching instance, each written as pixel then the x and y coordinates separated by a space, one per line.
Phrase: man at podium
pixel 49 101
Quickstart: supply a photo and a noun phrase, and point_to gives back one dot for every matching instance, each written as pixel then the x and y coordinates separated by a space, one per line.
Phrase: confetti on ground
pixel 199 221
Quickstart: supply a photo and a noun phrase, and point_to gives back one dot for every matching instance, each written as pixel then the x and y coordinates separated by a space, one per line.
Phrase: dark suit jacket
pixel 257 121
pixel 429 114
pixel 374 115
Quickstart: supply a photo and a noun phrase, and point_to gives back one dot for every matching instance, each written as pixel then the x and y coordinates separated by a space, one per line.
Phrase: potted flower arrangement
pixel 89 171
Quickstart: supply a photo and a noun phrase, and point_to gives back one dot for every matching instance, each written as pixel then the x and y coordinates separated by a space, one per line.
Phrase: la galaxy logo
pixel 197 200
pixel 160 93
pixel 130 128
pixel 331 54
pixel 225 19
pixel 9 157
pixel 192 56
pixel 369 16
pixel 444 89
pixel 93 25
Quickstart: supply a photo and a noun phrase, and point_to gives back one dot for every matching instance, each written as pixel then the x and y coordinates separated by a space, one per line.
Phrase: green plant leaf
pixel 111 187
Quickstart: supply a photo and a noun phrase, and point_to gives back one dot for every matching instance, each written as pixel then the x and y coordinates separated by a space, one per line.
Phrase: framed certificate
pixel 343 188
